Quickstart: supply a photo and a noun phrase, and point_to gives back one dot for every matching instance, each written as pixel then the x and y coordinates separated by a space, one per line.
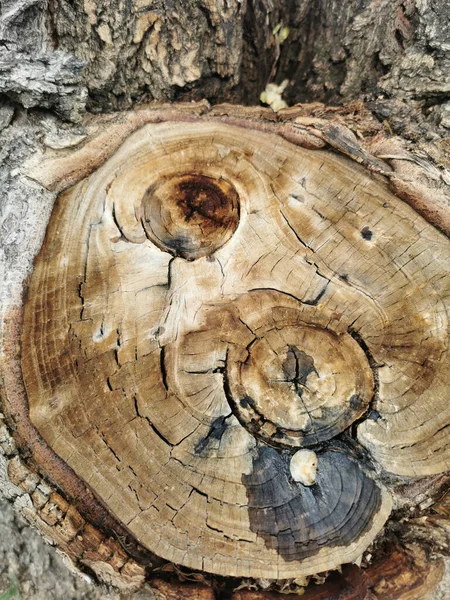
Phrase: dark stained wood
pixel 190 216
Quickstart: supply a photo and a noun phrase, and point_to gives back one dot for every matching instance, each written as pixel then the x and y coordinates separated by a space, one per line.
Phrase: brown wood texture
pixel 214 298
pixel 403 574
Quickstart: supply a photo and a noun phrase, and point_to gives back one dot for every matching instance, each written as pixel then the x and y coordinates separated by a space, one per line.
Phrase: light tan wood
pixel 176 356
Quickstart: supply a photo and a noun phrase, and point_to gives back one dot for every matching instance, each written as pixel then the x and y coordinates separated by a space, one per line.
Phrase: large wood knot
pixel 298 385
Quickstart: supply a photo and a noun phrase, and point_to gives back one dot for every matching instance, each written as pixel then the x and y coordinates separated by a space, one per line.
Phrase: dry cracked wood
pixel 213 299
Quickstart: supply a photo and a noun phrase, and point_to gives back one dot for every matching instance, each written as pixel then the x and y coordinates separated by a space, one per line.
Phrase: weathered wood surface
pixel 392 54
pixel 109 298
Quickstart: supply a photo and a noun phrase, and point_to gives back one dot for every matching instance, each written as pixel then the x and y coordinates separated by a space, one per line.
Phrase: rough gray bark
pixel 335 51
pixel 29 568
pixel 222 52
pixel 60 58
pixel 31 73
pixel 366 49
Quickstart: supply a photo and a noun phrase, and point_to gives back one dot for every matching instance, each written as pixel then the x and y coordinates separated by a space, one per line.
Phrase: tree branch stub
pixel 209 301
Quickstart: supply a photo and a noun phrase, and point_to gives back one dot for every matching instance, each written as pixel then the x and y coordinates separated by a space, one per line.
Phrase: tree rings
pixel 213 299
pixel 299 385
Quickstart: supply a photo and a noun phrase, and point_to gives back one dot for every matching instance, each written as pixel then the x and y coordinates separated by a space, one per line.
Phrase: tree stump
pixel 233 349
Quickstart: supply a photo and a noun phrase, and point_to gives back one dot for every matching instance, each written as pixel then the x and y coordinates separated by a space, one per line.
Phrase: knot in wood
pixel 297 385
pixel 190 215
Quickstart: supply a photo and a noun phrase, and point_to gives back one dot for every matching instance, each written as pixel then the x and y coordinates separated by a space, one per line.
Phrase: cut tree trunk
pixel 224 352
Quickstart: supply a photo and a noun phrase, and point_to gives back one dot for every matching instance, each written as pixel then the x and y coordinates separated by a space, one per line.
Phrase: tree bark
pixel 384 67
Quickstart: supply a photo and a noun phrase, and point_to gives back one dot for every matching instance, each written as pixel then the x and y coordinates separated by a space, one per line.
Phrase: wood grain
pixel 213 298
